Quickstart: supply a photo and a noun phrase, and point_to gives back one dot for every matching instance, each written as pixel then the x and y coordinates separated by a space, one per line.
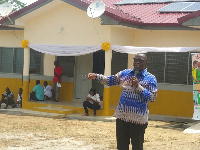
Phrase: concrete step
pixel 57 110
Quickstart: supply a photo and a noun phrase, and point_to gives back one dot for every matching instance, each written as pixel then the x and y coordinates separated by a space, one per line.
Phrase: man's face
pixel 7 90
pixel 45 84
pixel 56 63
pixel 139 62
pixel 92 93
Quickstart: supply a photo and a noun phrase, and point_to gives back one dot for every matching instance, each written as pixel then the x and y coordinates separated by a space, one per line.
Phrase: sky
pixel 28 2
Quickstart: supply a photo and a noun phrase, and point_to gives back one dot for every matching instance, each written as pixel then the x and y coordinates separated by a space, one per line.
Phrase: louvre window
pixel 11 60
pixel 67 63
pixel 36 62
pixel 119 62
pixel 171 67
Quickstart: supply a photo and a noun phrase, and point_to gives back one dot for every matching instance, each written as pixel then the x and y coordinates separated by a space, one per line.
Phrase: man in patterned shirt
pixel 138 88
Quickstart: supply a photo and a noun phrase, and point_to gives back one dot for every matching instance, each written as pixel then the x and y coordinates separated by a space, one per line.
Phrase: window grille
pixel 67 63
pixel 170 67
pixel 36 62
pixel 119 62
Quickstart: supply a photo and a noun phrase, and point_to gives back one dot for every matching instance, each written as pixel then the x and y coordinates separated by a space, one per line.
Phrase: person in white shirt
pixel 47 91
pixel 19 98
pixel 92 101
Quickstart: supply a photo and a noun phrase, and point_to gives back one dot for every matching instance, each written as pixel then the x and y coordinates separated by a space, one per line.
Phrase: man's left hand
pixel 135 82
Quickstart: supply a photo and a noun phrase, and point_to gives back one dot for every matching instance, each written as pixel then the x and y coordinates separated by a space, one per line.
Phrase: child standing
pixel 19 98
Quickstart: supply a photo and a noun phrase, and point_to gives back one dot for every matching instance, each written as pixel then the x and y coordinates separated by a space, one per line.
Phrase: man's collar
pixel 144 72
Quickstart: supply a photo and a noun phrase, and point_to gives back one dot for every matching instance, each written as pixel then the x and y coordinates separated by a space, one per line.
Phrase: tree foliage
pixel 16 4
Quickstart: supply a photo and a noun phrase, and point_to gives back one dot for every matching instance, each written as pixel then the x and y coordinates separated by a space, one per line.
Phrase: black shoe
pixel 85 114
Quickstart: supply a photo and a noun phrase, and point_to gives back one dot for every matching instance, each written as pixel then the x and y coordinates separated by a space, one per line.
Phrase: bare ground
pixel 38 133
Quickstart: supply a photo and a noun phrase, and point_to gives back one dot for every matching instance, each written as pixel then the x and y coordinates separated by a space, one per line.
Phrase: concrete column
pixel 106 93
pixel 26 76
pixel 130 61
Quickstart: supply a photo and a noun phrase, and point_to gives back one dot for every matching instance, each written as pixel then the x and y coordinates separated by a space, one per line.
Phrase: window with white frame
pixel 12 60
pixel 171 67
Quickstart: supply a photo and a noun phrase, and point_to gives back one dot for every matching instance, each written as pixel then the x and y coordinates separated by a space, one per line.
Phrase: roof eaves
pixel 9 28
pixel 158 26
pixel 23 11
pixel 190 16
pixel 79 4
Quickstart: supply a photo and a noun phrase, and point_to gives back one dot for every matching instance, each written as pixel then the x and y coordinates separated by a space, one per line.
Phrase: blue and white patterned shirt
pixel 133 103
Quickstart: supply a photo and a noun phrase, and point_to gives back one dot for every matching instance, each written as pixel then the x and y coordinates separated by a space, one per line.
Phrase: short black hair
pixel 56 62
pixel 37 82
pixel 93 90
pixel 144 55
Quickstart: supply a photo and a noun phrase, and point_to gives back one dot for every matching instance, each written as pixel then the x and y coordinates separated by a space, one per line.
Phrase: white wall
pixel 66 25
pixel 167 38
pixel 11 38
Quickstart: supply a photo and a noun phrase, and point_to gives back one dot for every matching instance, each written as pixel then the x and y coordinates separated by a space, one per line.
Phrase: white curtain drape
pixel 62 50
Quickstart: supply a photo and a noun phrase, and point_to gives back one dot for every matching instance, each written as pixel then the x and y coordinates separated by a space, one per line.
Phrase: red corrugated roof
pixel 146 14
pixel 139 14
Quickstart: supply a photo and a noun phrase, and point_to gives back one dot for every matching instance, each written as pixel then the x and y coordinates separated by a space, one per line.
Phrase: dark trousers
pixel 94 106
pixel 46 97
pixel 126 131
pixel 8 102
pixel 33 97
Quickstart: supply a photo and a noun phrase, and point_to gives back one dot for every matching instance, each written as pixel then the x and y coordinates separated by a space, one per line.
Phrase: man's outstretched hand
pixel 92 76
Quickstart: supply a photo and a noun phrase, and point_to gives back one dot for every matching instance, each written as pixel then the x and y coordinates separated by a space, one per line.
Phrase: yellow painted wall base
pixel 25 93
pixel 173 103
pixel 170 103
pixel 66 91
pixel 12 83
pixel 106 101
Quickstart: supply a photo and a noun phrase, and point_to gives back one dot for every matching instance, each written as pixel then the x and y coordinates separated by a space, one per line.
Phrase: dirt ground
pixel 38 133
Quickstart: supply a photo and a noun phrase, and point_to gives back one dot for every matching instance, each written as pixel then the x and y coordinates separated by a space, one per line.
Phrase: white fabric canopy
pixel 135 50
pixel 61 50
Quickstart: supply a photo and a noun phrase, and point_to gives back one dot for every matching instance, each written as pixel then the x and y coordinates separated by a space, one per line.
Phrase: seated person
pixel 38 92
pixel 92 101
pixel 19 98
pixel 8 98
pixel 47 91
